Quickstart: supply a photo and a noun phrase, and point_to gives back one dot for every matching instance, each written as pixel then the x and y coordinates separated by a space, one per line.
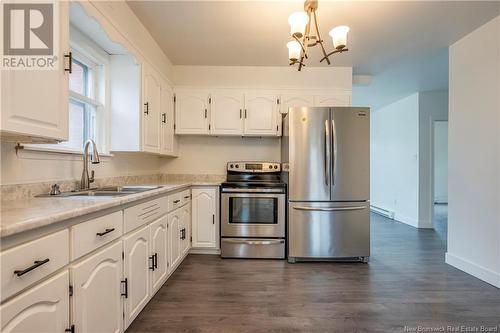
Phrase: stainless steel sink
pixel 111 191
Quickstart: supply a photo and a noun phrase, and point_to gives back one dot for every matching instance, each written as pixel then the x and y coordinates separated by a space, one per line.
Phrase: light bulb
pixel 298 22
pixel 294 49
pixel 339 36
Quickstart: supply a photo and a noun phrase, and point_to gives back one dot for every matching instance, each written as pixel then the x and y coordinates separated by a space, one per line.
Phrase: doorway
pixel 440 177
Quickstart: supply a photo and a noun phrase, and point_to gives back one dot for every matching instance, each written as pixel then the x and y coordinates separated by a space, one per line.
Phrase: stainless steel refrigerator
pixel 326 163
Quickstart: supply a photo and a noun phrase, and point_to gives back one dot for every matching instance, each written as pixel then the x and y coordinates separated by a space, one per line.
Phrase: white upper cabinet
pixel 334 99
pixel 192 112
pixel 226 113
pixel 34 103
pixel 168 142
pixel 295 100
pixel 44 308
pixel 261 114
pixel 151 110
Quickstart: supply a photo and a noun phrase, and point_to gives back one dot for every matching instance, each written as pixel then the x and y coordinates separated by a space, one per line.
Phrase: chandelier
pixel 301 30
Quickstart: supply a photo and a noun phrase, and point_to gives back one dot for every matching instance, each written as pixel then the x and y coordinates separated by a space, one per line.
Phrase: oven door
pixel 253 215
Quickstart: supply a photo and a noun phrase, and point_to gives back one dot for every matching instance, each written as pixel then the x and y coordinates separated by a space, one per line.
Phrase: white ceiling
pixel 384 36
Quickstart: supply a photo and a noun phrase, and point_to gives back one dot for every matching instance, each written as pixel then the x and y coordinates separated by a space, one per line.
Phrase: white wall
pixel 441 162
pixel 474 154
pixel 433 105
pixel 394 159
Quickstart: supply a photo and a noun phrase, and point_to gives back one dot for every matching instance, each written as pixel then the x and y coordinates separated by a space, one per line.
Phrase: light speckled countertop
pixel 22 215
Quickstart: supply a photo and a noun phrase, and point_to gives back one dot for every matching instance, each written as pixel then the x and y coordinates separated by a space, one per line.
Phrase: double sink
pixel 111 191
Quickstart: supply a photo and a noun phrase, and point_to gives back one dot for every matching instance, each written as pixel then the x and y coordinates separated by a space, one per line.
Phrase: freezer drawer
pixel 328 230
pixel 252 248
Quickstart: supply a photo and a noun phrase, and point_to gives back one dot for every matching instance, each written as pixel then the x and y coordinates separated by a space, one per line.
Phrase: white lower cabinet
pixel 137 262
pixel 97 289
pixel 159 251
pixel 44 308
pixel 174 239
pixel 204 217
pixel 185 229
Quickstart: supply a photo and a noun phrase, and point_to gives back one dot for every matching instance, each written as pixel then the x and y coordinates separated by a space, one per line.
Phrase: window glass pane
pixel 76 126
pixel 78 78
pixel 90 123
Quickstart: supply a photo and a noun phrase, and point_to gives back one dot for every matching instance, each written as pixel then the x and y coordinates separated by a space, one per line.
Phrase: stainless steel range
pixel 253 203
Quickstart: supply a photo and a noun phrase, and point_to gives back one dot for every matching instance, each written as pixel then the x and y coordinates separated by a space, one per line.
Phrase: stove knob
pixel 270 166
pixel 231 166
pixel 237 166
pixel 276 167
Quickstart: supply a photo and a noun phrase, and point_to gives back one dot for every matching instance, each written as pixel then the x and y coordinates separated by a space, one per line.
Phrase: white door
pixel 43 308
pixel 191 112
pixel 174 221
pixel 34 103
pixel 97 288
pixel 136 265
pixel 226 113
pixel 186 226
pixel 204 217
pixel 151 111
pixel 159 250
pixel 335 99
pixel 295 100
pixel 167 135
pixel 261 114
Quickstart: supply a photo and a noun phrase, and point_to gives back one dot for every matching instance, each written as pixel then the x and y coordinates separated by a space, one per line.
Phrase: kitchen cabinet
pixel 295 100
pixel 137 262
pixel 174 239
pixel 151 110
pixel 334 99
pixel 97 289
pixel 204 220
pixel 226 113
pixel 44 308
pixel 185 229
pixel 159 250
pixel 192 112
pixel 261 114
pixel 168 142
pixel 35 103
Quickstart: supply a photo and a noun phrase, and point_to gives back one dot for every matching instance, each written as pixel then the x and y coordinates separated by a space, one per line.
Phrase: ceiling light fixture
pixel 304 37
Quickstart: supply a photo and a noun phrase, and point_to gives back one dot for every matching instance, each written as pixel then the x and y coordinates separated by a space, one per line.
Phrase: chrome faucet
pixel 94 158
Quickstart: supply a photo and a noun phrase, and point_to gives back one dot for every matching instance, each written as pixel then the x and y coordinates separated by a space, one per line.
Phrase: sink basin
pixel 95 194
pixel 111 191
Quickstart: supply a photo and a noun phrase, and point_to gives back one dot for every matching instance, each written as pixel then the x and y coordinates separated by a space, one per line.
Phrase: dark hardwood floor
pixel 406 283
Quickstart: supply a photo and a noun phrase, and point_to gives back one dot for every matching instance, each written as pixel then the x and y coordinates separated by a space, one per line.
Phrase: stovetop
pixel 250 184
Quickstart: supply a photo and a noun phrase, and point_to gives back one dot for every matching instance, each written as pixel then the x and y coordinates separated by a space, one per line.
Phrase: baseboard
pixel 205 251
pixel 406 220
pixel 382 211
pixel 482 273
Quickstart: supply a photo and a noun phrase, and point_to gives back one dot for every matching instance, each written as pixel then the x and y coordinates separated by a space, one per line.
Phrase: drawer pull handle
pixel 36 264
pixel 176 201
pixel 187 197
pixel 152 267
pixel 107 231
pixel 126 287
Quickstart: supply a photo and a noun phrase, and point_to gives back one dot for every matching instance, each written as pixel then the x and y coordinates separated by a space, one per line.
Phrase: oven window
pixel 253 210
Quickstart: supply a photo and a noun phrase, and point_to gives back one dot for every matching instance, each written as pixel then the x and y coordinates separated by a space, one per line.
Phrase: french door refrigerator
pixel 326 163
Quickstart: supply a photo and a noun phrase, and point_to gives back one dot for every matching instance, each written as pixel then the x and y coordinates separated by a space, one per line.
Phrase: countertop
pixel 22 215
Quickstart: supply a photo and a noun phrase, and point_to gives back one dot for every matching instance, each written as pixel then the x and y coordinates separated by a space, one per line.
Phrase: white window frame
pixel 93 56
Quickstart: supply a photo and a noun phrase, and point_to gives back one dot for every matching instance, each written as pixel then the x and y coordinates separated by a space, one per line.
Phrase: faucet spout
pixel 94 159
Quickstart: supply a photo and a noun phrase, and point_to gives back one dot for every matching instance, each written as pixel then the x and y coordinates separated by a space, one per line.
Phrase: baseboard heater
pixel 381 211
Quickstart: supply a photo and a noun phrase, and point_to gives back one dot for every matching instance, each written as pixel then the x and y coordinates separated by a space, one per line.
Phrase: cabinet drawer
pixel 185 197
pixel 143 213
pixel 90 235
pixel 26 264
pixel 174 201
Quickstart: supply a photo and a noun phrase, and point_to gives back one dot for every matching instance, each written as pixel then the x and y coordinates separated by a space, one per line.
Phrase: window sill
pixel 64 151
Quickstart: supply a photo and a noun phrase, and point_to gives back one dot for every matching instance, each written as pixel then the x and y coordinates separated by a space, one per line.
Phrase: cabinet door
pixel 97 288
pixel 261 114
pixel 168 144
pixel 43 308
pixel 295 100
pixel 226 113
pixel 191 112
pixel 204 215
pixel 35 103
pixel 159 250
pixel 335 99
pixel 174 221
pixel 186 226
pixel 137 265
pixel 151 111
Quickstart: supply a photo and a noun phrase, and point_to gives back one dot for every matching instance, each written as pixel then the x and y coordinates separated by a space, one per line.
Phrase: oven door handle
pixel 329 209
pixel 251 190
pixel 255 242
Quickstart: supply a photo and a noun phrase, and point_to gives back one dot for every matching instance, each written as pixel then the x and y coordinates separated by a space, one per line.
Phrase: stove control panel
pixel 243 166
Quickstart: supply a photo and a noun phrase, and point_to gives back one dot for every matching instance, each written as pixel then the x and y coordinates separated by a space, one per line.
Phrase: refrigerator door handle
pixel 327 156
pixel 334 150
pixel 329 209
